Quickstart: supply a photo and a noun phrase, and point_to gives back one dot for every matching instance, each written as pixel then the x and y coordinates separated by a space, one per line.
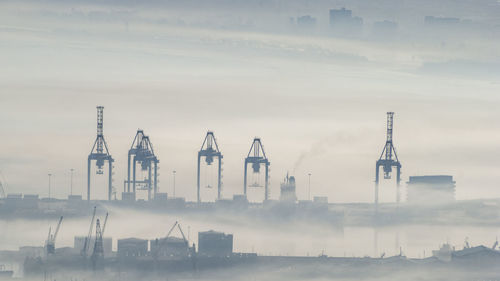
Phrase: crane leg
pixel 198 185
pixel 128 174
pixel 245 180
pixel 266 187
pixel 376 187
pixel 219 183
pixel 110 178
pixel 88 179
pixel 398 187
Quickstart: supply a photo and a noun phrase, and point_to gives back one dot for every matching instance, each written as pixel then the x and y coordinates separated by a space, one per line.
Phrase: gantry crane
pixel 142 152
pixel 210 150
pixel 387 161
pixel 50 244
pixel 100 153
pixel 257 157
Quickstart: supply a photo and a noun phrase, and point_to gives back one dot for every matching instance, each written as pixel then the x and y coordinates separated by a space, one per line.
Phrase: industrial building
pixel 169 247
pixel 107 243
pixel 132 247
pixel 287 189
pixel 215 244
pixel 437 189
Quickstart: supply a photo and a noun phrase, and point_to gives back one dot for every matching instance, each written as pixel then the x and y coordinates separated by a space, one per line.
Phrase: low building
pixel 169 247
pixel 128 196
pixel 31 251
pixel 215 244
pixel 161 197
pixel 320 200
pixel 74 198
pixel 436 189
pixel 132 247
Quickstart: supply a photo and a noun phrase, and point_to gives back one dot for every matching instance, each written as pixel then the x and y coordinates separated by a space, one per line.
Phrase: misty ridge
pixel 424 26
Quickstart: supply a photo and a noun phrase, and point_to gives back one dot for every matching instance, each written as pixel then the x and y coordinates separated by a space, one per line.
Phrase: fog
pixel 295 238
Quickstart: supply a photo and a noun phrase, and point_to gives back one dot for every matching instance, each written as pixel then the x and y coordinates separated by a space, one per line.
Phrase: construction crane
pixel 182 233
pixel 86 243
pixel 142 152
pixel 2 190
pixel 100 153
pixel 98 252
pixel 257 158
pixel 210 150
pixel 50 243
pixel 105 222
pixel 387 161
pixel 3 185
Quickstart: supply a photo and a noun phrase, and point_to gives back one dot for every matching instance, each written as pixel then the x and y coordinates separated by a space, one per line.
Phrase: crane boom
pixel 48 236
pixel 57 229
pixel 89 236
pixel 182 233
pixel 104 225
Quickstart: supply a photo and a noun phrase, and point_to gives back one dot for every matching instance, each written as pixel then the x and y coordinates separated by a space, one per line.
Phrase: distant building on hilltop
pixel 441 21
pixel 385 28
pixel 437 189
pixel 306 21
pixel 342 21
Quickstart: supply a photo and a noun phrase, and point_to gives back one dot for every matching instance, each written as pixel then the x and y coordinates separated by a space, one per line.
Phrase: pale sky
pixel 318 103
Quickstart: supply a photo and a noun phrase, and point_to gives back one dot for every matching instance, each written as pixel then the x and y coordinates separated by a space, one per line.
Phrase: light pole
pixel 309 192
pixel 71 182
pixel 50 175
pixel 173 172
